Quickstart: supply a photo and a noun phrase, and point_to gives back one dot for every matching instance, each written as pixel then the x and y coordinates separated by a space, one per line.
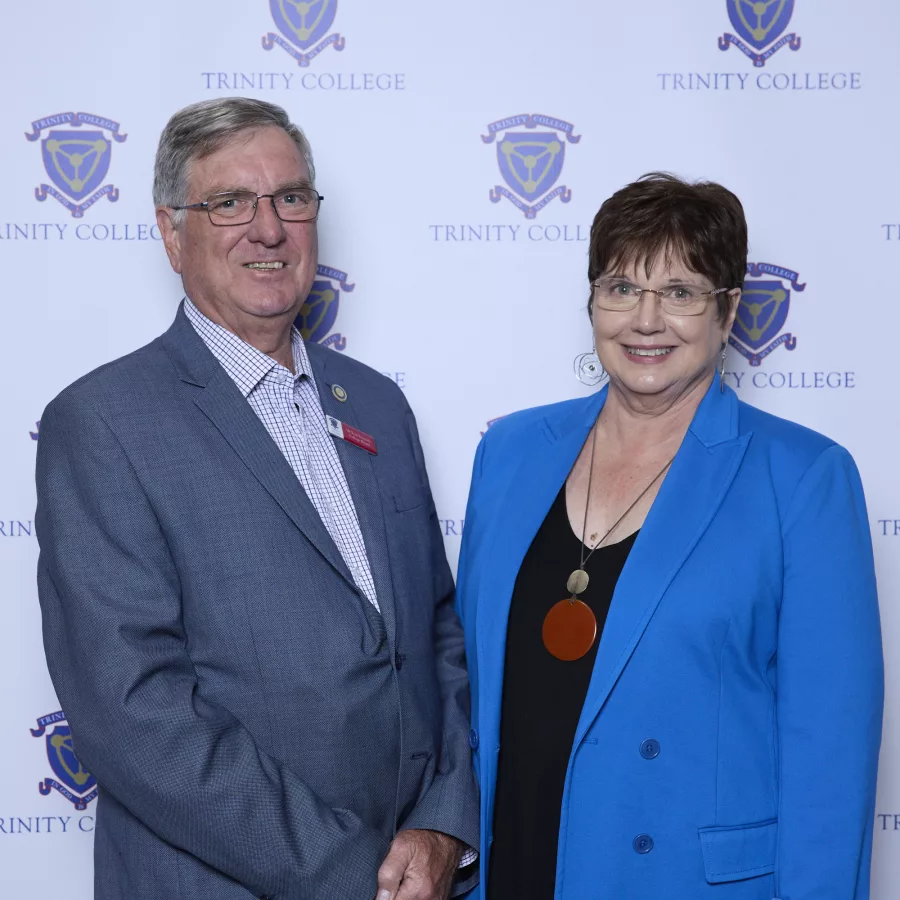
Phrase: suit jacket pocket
pixel 411 497
pixel 733 852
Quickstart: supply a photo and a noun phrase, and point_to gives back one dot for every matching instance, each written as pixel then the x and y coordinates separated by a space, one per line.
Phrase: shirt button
pixel 643 843
pixel 473 738
pixel 398 661
pixel 650 748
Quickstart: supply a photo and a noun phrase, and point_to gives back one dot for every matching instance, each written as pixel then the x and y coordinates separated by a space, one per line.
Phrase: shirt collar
pixel 244 364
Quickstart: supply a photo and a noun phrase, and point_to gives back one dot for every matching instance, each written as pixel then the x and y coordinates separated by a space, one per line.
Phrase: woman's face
pixel 651 352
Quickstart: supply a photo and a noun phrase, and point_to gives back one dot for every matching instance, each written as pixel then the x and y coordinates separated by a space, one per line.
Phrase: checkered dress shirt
pixel 288 405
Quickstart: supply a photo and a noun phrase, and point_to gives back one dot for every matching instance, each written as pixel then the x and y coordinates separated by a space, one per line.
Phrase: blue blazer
pixel 256 727
pixel 743 640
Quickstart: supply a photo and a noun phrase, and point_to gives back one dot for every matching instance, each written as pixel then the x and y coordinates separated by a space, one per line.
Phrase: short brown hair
pixel 701 224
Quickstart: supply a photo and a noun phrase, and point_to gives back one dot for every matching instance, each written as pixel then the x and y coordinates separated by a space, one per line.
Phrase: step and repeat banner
pixel 463 150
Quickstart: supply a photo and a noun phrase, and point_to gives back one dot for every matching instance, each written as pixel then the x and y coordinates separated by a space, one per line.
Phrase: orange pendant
pixel 570 629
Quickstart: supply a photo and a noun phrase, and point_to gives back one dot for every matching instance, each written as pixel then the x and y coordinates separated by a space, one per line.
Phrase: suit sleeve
pixel 462 601
pixel 116 650
pixel 830 688
pixel 451 803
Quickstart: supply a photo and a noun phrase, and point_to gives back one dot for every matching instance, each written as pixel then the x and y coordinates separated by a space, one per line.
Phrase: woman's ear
pixel 734 301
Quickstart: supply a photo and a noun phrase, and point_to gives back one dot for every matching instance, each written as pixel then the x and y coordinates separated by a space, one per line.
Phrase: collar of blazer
pixel 221 402
pixel 685 508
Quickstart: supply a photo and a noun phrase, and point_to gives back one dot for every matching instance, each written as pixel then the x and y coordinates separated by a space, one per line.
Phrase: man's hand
pixel 419 866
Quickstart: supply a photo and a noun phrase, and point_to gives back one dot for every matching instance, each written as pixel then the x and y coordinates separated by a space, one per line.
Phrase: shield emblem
pixel 65 763
pixel 303 22
pixel 319 312
pixel 762 313
pixel 76 161
pixel 760 23
pixel 530 163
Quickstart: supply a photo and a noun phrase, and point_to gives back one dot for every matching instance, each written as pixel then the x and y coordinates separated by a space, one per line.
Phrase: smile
pixel 655 351
pixel 264 265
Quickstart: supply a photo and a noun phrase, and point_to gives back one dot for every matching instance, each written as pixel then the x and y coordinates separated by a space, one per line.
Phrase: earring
pixel 588 368
pixel 722 368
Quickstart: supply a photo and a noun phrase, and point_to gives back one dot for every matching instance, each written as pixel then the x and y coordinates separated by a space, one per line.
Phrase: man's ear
pixel 171 236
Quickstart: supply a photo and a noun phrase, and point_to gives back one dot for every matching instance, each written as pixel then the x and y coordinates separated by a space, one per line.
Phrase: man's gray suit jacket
pixel 255 725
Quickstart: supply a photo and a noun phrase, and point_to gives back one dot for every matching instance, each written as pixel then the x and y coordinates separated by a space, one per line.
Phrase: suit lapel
pixel 221 402
pixel 364 487
pixel 703 470
pixel 529 495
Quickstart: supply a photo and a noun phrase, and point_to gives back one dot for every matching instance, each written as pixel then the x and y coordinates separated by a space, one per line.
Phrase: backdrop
pixel 462 150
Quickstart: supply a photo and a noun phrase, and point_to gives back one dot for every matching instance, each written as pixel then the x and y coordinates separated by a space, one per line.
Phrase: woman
pixel 670 608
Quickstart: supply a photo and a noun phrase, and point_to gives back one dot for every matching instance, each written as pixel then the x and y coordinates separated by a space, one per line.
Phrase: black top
pixel 542 701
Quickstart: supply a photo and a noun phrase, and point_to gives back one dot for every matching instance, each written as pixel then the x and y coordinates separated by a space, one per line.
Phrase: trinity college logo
pixel 76 160
pixel 303 23
pixel 75 784
pixel 319 313
pixel 761 24
pixel 763 312
pixel 531 161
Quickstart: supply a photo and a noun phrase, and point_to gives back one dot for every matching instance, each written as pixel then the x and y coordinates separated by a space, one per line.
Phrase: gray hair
pixel 199 130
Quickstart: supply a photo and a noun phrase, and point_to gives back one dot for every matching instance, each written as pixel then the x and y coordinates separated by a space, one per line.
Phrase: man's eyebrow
pixel 225 189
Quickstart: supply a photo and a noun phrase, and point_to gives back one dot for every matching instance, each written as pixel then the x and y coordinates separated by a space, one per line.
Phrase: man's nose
pixel 266 228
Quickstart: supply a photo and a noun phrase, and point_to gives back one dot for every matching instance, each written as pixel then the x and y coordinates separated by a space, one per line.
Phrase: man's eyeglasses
pixel 620 295
pixel 239 207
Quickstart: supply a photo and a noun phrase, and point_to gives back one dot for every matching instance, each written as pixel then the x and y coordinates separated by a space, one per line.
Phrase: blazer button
pixel 398 661
pixel 643 843
pixel 473 738
pixel 650 748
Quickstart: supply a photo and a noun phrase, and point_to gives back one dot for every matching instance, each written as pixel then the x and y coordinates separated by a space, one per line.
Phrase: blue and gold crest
pixel 531 161
pixel 76 160
pixel 761 24
pixel 763 311
pixel 304 24
pixel 319 312
pixel 74 782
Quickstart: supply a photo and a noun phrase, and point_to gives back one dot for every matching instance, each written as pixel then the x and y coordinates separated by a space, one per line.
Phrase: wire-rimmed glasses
pixel 297 204
pixel 620 295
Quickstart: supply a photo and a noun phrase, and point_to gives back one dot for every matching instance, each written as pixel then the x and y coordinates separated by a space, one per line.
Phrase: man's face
pixel 214 261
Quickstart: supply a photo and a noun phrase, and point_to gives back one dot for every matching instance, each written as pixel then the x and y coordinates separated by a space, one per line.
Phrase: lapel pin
pixel 339 393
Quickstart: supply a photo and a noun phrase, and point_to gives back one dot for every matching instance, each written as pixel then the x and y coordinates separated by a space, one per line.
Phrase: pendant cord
pixel 587 504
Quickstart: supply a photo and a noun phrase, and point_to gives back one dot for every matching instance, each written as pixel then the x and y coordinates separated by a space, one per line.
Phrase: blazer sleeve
pixel 116 650
pixel 830 688
pixel 451 804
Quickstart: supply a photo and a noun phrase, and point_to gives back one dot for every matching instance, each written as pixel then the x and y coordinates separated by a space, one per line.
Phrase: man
pixel 248 613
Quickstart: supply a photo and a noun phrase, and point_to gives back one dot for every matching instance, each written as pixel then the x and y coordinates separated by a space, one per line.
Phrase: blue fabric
pixel 256 727
pixel 743 637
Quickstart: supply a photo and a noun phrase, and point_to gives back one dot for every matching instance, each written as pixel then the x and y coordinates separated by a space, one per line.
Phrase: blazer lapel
pixel 364 488
pixel 221 402
pixel 529 495
pixel 703 470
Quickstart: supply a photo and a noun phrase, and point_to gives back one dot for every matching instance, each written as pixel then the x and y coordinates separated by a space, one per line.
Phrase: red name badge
pixel 351 435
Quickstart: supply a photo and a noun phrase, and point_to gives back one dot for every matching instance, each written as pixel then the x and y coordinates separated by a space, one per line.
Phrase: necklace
pixel 570 628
